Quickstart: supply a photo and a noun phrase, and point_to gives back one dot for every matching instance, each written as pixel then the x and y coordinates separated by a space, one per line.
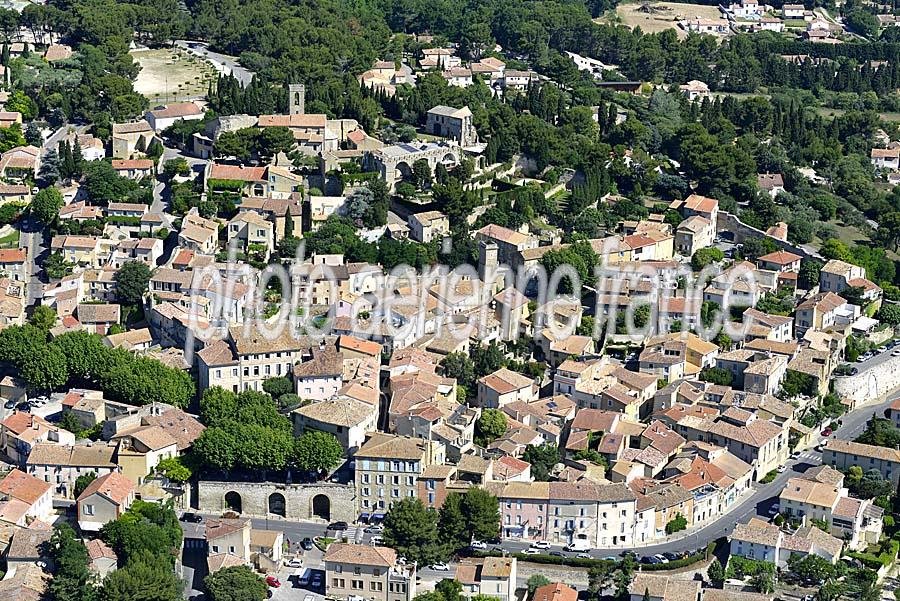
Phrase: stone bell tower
pixel 296 99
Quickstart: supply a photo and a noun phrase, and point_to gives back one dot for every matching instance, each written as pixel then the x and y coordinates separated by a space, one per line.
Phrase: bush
pixel 769 477
pixel 677 524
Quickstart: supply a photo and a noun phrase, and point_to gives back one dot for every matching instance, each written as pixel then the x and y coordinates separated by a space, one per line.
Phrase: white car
pixel 295 563
pixel 781 469
pixel 531 551
pixel 584 556
pixel 377 540
pixel 541 544
pixel 477 544
pixel 441 566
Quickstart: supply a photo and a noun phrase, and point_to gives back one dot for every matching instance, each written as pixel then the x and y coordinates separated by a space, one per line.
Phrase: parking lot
pixel 876 356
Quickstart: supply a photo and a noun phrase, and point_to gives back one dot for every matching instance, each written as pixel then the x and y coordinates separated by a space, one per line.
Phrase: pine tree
pixel 77 160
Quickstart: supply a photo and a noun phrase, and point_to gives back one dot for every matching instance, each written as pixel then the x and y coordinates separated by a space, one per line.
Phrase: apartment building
pixel 367 572
pixel 388 468
pixel 243 361
pixel 60 465
pixel 844 454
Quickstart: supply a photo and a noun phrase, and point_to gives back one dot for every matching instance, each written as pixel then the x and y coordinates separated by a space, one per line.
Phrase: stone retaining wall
pixel 324 500
pixel 872 384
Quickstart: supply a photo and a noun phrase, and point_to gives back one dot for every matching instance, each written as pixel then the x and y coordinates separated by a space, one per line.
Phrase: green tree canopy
pixel 412 530
pixel 235 583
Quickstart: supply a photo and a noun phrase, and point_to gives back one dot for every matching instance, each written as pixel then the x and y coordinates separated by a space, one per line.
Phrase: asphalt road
pixel 757 503
pixel 32 238
pixel 870 363
pixel 222 62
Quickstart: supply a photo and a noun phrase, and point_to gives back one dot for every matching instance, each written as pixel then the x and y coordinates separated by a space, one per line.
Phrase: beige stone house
pixel 367 572
pixel 104 500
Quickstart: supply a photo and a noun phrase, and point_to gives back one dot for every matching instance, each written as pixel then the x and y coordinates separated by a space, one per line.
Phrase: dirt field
pixel 661 15
pixel 171 74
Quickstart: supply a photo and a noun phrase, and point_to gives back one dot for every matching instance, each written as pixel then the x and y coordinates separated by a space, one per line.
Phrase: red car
pixel 827 432
pixel 273 582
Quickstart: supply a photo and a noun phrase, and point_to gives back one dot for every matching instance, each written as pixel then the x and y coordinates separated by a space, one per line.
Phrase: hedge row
pixel 578 562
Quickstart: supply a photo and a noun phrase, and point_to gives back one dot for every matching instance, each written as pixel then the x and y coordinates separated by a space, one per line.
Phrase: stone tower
pixel 488 263
pixel 296 99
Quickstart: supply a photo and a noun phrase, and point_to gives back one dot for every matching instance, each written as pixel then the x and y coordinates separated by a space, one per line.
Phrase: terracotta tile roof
pixel 381 445
pixel 311 120
pixel 595 420
pixel 97 455
pixel 555 592
pixel 18 255
pixel 366 347
pixel 97 549
pixel 326 363
pixel 217 528
pixel 125 164
pixel 862 450
pixel 181 426
pixel 177 109
pixel 152 437
pixel 504 381
pixel 98 313
pixel 114 486
pixel 360 555
pixel 237 173
pixel 23 487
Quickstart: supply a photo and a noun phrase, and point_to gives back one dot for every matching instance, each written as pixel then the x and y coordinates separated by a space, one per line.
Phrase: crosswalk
pixel 809 457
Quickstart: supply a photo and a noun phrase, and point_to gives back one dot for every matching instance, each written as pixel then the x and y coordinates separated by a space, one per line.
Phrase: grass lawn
pixel 11 240
pixel 829 112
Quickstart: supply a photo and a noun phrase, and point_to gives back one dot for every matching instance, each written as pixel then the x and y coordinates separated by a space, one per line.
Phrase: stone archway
pixel 321 507
pixel 403 172
pixel 449 160
pixel 277 504
pixel 233 501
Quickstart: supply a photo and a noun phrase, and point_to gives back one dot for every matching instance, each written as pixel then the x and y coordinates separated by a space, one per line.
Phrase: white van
pixel 578 545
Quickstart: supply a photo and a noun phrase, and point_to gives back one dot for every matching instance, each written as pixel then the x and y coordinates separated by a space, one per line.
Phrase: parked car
pixel 478 545
pixel 338 526
pixel 9 405
pixel 307 544
pixel 273 581
pixel 557 554
pixel 587 556
pixel 541 544
pixel 493 541
pixel 377 529
pixel 671 556
pixel 827 432
pixel 377 540
pixel 531 551
pixel 650 559
pixel 440 566
pixel 296 562
pixel 661 558
pixel 781 469
pixel 192 517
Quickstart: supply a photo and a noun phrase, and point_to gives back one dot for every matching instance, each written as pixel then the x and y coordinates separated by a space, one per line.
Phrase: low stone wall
pixel 872 384
pixel 323 500
pixel 726 222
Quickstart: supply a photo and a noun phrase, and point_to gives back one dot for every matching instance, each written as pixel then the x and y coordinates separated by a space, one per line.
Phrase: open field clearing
pixel 653 17
pixel 171 74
